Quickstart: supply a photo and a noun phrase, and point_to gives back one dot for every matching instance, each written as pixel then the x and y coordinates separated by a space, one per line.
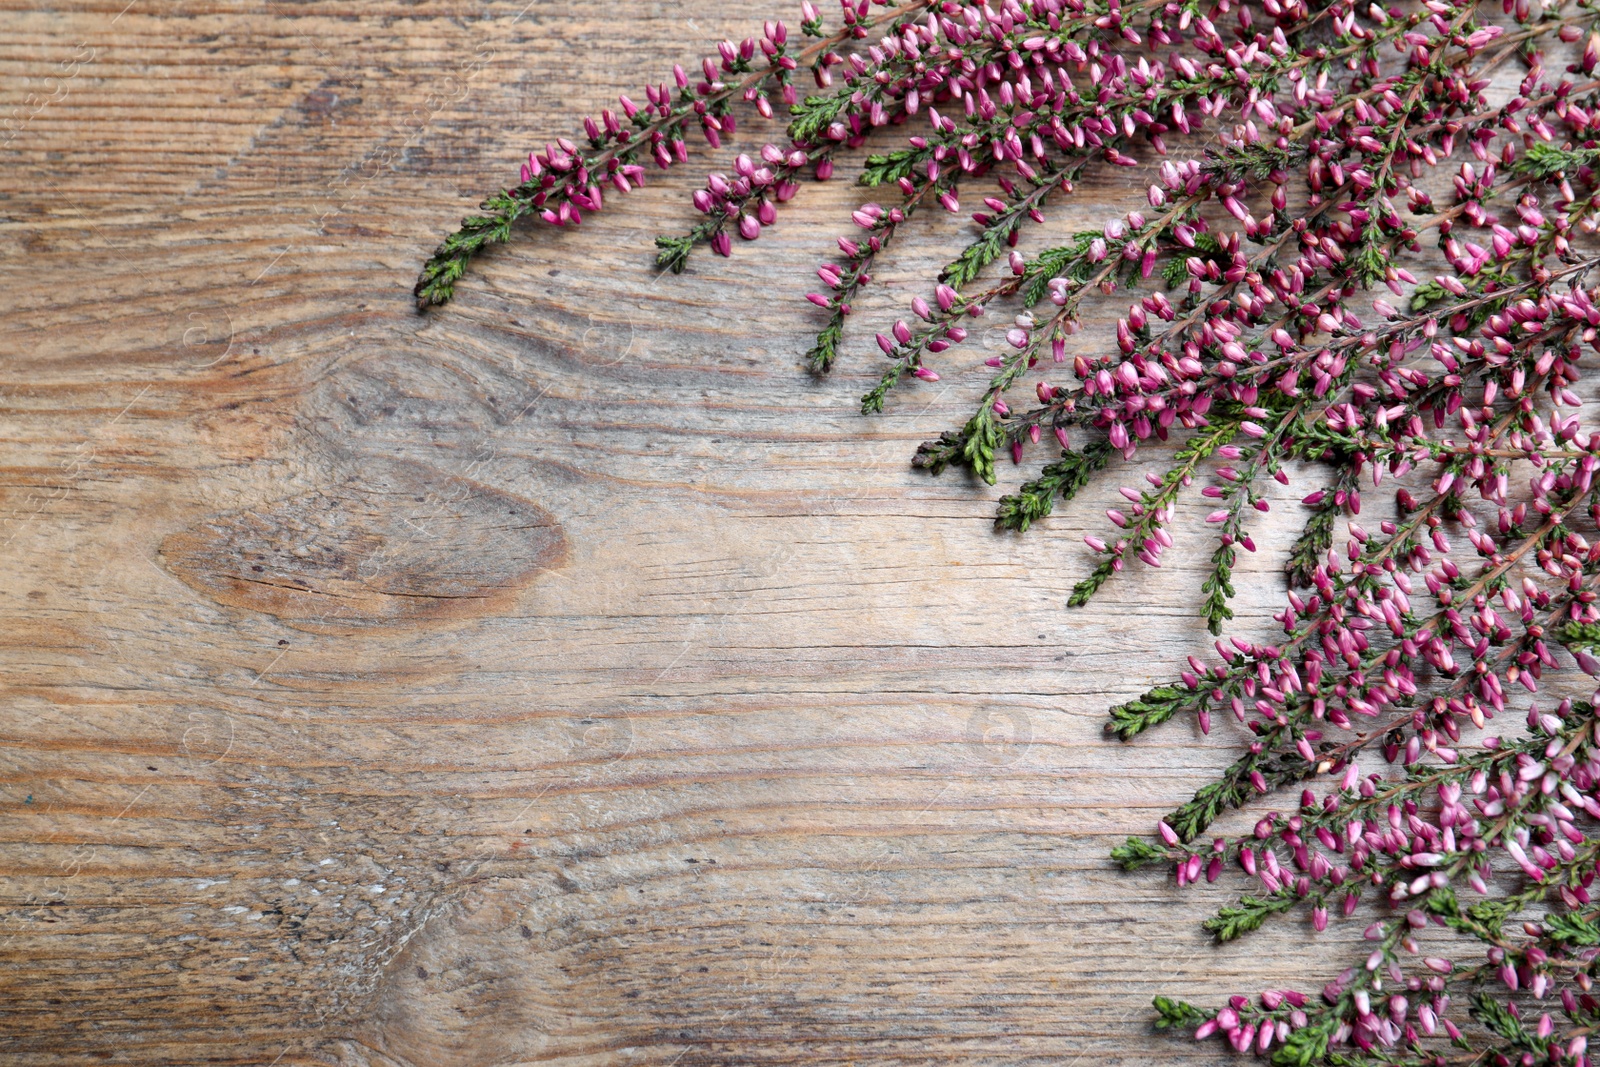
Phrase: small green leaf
pixel 1136 852
pixel 1175 1013
pixel 674 254
pixel 1584 635
pixel 1063 478
pixel 1236 920
pixel 1152 709
pixel 885 169
pixel 826 348
pixel 982 437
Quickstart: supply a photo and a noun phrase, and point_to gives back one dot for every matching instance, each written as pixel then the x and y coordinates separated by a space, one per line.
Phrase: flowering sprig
pixel 1362 251
pixel 1409 841
pixel 564 181
pixel 1127 249
pixel 846 280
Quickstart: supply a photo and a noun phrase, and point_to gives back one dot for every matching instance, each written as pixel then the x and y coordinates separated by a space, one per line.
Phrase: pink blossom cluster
pixel 1363 252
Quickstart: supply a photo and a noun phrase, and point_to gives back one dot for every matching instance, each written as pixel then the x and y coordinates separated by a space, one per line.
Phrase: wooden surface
pixel 560 677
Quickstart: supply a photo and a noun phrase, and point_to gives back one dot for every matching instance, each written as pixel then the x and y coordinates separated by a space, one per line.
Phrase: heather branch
pixel 1420 627
pixel 436 285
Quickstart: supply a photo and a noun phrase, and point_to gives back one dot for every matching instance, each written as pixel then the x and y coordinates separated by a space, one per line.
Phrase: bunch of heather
pixel 1363 248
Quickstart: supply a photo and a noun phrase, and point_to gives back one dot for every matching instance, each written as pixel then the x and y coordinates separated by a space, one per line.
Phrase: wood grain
pixel 562 677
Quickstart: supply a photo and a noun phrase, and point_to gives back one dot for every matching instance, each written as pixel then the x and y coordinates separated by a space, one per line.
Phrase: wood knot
pixel 397 544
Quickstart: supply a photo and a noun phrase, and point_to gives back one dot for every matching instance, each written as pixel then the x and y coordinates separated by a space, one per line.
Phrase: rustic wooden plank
pixel 608 690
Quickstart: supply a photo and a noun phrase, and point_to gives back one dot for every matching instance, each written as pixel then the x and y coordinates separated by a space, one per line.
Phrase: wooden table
pixel 563 676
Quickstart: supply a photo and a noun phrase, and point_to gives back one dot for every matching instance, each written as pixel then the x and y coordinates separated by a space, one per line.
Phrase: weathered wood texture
pixel 561 677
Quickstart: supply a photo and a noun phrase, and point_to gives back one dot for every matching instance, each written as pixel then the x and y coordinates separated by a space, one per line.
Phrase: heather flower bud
pixel 867 216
